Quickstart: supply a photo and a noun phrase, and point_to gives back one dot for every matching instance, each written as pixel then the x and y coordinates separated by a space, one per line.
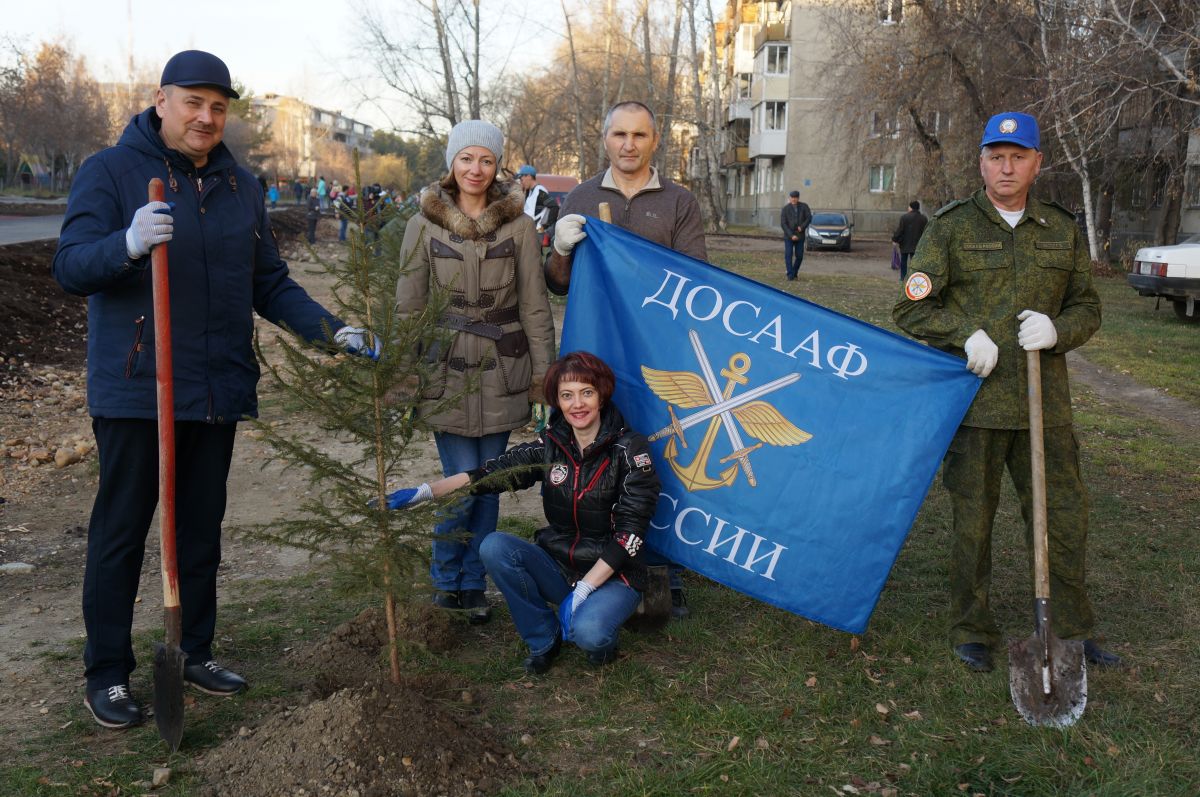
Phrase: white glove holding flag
pixel 568 231
pixel 1037 331
pixel 152 225
pixel 982 353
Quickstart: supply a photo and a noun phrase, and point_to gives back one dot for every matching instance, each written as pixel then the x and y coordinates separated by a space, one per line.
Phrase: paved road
pixel 19 229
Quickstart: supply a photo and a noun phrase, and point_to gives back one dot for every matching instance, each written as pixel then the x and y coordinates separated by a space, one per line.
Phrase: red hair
pixel 579 366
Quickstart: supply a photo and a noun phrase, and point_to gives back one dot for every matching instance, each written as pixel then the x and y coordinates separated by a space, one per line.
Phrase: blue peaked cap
pixel 1012 128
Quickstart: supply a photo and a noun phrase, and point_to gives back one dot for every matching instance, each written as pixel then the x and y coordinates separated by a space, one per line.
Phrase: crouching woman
pixel 599 492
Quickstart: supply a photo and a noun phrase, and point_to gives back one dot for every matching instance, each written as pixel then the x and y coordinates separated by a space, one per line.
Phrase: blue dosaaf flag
pixel 795 444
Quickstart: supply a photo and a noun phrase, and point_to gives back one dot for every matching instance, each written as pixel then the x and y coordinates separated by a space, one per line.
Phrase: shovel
pixel 1047 676
pixel 168 656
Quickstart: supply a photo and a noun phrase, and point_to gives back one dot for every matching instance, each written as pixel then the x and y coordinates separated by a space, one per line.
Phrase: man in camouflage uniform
pixel 996 273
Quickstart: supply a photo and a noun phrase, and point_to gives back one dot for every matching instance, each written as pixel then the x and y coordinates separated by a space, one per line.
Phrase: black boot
pixel 479 611
pixel 538 663
pixel 679 607
pixel 447 600
pixel 975 655
pixel 1100 658
pixel 112 707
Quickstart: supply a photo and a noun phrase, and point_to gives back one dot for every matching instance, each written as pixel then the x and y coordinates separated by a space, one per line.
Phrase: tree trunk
pixel 476 110
pixel 447 68
pixel 668 115
pixel 575 93
pixel 704 132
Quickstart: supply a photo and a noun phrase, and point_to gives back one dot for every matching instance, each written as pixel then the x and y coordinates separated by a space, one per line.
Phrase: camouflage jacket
pixel 979 273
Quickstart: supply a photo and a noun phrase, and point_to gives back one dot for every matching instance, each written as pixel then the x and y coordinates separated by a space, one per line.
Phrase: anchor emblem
pixel 722 409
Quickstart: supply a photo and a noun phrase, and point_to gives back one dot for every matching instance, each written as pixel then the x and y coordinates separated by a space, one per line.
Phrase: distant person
pixel 908 234
pixel 538 202
pixel 344 209
pixel 996 275
pixel 323 193
pixel 313 215
pixel 794 219
pixel 225 268
pixel 472 240
pixel 273 195
pixel 298 191
pixel 643 202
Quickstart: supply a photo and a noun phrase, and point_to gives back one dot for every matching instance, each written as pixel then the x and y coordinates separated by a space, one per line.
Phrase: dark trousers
pixel 312 230
pixel 972 473
pixel 793 252
pixel 121 516
pixel 904 258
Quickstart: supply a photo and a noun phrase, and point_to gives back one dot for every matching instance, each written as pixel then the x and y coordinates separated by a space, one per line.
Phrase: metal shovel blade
pixel 654 612
pixel 168 693
pixel 1048 691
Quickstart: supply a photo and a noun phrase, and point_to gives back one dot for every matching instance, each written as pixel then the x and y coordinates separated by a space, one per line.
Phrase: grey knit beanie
pixel 474 133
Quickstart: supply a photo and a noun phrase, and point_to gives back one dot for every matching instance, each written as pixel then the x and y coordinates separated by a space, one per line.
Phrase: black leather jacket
pixel 598 502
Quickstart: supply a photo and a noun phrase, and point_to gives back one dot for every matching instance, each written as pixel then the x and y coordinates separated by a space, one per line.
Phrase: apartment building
pixel 300 132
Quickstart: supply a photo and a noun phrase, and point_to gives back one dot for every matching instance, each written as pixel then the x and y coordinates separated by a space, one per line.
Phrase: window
pixel 1161 176
pixel 882 178
pixel 777 59
pixel 933 123
pixel 890 11
pixel 883 125
pixel 743 86
pixel 774 115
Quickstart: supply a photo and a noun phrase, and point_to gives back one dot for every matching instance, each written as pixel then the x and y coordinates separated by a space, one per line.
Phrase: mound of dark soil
pixel 366 736
pixel 43 324
pixel 356 651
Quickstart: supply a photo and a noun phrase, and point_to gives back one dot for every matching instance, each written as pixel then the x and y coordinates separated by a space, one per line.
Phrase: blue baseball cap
pixel 527 170
pixel 198 68
pixel 1012 128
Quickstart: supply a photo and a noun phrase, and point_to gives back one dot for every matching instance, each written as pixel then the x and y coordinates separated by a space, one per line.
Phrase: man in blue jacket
pixel 225 266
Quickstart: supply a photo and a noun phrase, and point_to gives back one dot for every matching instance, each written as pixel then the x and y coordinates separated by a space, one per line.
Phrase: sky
pixel 289 47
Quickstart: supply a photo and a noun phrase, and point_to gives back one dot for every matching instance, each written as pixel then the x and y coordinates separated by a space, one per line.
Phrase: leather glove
pixel 152 225
pixel 407 497
pixel 1037 331
pixel 566 609
pixel 355 341
pixel 568 231
pixel 982 353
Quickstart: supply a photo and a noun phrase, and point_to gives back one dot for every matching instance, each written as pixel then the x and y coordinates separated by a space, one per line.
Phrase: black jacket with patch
pixel 598 502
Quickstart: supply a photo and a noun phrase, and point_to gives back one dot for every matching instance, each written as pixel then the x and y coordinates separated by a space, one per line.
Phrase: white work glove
pixel 982 353
pixel 152 225
pixel 568 231
pixel 1037 331
pixel 354 340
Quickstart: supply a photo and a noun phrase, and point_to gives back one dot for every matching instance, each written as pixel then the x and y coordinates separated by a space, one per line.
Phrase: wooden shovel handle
pixel 1037 459
pixel 604 213
pixel 166 426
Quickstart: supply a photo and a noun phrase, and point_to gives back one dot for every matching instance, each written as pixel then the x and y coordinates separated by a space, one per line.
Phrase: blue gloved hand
pixel 566 609
pixel 407 497
pixel 355 341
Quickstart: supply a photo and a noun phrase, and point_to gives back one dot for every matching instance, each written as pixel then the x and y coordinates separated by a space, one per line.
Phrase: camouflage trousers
pixel 972 473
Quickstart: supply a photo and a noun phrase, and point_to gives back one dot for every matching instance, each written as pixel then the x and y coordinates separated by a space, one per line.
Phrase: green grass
pixel 814 710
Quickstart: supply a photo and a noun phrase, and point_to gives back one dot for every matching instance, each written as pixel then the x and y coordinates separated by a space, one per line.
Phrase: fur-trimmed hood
pixel 506 201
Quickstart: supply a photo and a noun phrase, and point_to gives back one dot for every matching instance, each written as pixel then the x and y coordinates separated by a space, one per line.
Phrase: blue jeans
pixel 455 564
pixel 342 229
pixel 531 580
pixel 793 251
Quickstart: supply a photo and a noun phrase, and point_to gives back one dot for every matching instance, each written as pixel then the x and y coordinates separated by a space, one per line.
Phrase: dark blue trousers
pixel 121 517
pixel 793 255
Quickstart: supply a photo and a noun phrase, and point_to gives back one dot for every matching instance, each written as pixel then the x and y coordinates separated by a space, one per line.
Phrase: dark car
pixel 829 231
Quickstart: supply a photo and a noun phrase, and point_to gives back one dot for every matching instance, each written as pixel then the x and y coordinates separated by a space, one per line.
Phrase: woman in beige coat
pixel 473 241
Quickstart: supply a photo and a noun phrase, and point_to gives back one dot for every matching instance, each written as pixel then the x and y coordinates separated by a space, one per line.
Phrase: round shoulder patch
pixel 558 474
pixel 917 286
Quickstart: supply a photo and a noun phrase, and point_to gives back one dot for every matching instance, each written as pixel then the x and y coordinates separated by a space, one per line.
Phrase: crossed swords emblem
pixel 721 409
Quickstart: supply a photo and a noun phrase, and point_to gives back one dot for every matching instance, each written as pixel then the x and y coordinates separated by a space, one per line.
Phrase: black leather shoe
pixel 112 707
pixel 598 658
pixel 679 607
pixel 447 600
pixel 1100 658
pixel 214 679
pixel 537 664
pixel 479 611
pixel 975 655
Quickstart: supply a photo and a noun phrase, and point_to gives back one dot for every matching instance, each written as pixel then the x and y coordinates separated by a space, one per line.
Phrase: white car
pixel 1172 272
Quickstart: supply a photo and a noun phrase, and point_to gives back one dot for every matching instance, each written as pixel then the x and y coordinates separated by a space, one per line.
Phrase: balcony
pixel 768 144
pixel 775 32
pixel 735 156
pixel 738 109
